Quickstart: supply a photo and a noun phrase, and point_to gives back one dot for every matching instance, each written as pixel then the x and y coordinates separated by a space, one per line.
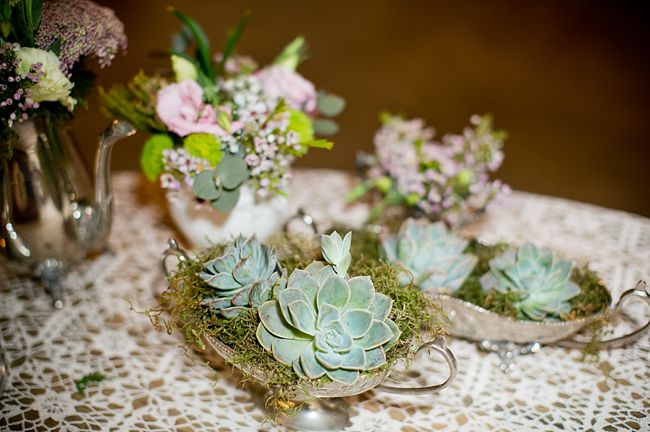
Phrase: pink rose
pixel 180 106
pixel 280 82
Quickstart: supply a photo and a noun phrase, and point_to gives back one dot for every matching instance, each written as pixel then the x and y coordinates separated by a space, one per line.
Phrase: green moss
pixel 416 316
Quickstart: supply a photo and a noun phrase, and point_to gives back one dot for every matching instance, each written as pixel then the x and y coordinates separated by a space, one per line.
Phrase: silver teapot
pixel 50 217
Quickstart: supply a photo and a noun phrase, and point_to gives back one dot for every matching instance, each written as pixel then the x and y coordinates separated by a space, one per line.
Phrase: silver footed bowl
pixel 475 323
pixel 329 390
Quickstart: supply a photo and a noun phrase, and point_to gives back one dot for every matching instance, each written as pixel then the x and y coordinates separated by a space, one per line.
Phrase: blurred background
pixel 568 80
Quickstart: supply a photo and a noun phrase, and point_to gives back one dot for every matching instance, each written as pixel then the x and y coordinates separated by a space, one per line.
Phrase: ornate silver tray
pixel 509 337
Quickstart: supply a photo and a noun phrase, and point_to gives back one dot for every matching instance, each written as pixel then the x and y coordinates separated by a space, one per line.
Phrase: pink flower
pixel 180 106
pixel 280 82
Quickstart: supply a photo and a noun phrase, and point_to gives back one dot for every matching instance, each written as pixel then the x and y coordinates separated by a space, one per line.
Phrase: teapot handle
pixel 639 292
pixel 173 250
pixel 439 344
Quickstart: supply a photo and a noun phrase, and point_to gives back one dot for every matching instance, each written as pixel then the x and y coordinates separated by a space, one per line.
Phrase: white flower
pixel 53 85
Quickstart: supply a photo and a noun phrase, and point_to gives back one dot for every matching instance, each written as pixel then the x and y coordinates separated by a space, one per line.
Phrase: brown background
pixel 568 80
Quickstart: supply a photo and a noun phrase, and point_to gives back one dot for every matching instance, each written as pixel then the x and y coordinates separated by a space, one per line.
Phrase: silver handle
pixel 439 344
pixel 173 250
pixel 303 217
pixel 640 292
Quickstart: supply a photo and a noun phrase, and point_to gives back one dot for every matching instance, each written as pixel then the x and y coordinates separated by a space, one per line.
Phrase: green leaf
pixel 55 47
pixel 205 146
pixel 329 104
pixel 233 172
pixel 359 190
pixel 227 201
pixel 151 159
pixel 325 127
pixel 301 124
pixel 181 40
pixel 293 54
pixel 205 187
pixel 82 383
pixel 319 143
pixel 224 121
pixel 233 38
pixel 202 43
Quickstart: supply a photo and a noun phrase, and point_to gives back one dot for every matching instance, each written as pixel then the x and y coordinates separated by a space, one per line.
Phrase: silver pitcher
pixel 50 217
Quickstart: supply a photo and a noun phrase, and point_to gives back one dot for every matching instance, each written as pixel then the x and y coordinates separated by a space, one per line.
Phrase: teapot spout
pixel 94 223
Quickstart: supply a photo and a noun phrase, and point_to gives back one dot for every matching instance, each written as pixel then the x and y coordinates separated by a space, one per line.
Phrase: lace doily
pixel 153 385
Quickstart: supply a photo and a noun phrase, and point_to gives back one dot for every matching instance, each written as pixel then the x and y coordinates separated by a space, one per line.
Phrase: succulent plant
pixel 540 281
pixel 430 255
pixel 336 251
pixel 221 186
pixel 322 323
pixel 242 277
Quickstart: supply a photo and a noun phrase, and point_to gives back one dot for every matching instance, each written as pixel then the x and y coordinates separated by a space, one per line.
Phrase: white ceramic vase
pixel 202 224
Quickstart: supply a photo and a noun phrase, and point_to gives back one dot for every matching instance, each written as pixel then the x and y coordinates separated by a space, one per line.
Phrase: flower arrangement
pixel 524 282
pixel 44 45
pixel 303 314
pixel 446 180
pixel 221 123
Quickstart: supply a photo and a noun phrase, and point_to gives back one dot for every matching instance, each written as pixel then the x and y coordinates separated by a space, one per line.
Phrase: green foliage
pixel 205 146
pixel 202 44
pixel 135 102
pixel 293 54
pixel 151 159
pixel 325 127
pixel 329 104
pixel 221 187
pixel 82 383
pixel 301 124
pixel 232 40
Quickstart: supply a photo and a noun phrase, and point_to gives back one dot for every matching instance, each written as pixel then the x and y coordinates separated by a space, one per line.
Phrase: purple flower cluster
pixel 447 179
pixel 15 101
pixel 83 28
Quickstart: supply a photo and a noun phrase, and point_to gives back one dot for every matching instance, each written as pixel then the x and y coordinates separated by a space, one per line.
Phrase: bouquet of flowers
pixel 444 180
pixel 221 122
pixel 43 47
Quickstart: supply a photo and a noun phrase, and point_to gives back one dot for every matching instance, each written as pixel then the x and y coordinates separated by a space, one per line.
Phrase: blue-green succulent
pixel 430 256
pixel 323 323
pixel 242 277
pixel 540 281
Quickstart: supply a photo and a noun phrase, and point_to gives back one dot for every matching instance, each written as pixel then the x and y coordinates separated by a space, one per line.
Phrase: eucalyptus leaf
pixel 329 104
pixel 325 127
pixel 205 186
pixel 233 172
pixel 227 201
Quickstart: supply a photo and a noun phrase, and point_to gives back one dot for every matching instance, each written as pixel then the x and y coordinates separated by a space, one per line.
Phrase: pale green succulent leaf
pixel 379 334
pixel 288 350
pixel 271 316
pixel 233 311
pixel 304 281
pixel 343 376
pixel 374 358
pixel 326 315
pixel 265 338
pixel 329 359
pixel 310 365
pixel 396 334
pixel 303 316
pixel 362 292
pixel 381 306
pixel 297 367
pixel 356 322
pixel 288 296
pixel 354 359
pixel 335 291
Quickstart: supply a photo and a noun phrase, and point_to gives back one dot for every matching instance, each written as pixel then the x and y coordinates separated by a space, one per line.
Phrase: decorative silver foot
pixel 319 415
pixel 507 352
pixel 50 272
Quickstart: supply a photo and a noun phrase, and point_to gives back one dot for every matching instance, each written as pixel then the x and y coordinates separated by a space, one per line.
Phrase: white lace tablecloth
pixel 151 385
